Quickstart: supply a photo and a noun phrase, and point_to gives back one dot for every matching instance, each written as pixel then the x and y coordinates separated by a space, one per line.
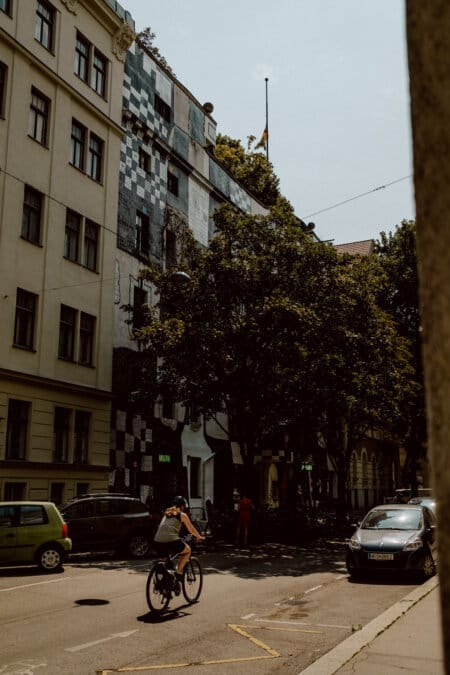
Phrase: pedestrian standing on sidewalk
pixel 245 508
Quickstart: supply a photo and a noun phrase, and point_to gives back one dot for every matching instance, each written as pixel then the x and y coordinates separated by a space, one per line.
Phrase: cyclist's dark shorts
pixel 169 548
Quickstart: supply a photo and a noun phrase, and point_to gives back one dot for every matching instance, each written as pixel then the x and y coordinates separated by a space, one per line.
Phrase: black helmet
pixel 179 501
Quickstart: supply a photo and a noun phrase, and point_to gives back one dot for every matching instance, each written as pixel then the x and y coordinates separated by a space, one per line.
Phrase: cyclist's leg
pixel 184 556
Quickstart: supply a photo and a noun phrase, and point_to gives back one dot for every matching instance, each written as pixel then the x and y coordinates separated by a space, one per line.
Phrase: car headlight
pixel 355 544
pixel 413 545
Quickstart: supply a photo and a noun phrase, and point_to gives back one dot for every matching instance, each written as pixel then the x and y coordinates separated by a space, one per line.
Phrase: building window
pixel 3 74
pixel 81 440
pixel 98 79
pixel 142 233
pixel 171 249
pixel 167 408
pixel 67 322
pixel 82 48
pixel 15 492
pixel 86 346
pixel 91 231
pixel 172 183
pixel 82 489
pixel 95 158
pixel 25 319
pixel 17 429
pixel 61 429
pixel 31 216
pixel 162 108
pixel 78 142
pixel 90 65
pixel 72 235
pixel 194 478
pixel 38 123
pixel 57 493
pixel 5 6
pixel 44 26
pixel 144 161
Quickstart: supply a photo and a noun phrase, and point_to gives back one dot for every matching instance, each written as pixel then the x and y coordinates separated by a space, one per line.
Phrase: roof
pixel 363 247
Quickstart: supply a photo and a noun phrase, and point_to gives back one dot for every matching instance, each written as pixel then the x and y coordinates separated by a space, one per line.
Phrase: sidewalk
pixel 405 638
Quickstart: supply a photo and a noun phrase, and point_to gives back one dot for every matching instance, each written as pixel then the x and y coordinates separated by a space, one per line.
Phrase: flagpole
pixel 267 121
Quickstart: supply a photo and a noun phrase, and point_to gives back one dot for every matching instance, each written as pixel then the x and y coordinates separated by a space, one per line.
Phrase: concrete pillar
pixel 428 31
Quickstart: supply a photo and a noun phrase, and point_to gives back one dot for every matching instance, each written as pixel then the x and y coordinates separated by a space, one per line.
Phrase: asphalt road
pixel 268 609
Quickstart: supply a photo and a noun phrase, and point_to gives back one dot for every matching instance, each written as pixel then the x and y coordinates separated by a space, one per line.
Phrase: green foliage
pixel 276 330
pixel 399 296
pixel 250 168
pixel 145 39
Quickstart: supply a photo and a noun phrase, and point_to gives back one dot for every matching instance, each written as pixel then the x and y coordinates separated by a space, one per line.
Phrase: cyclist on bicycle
pixel 167 537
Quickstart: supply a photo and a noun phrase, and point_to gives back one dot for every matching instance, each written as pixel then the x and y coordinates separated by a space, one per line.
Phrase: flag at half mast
pixel 264 138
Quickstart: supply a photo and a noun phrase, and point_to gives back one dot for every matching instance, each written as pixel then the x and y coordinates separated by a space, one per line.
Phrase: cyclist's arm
pixel 190 528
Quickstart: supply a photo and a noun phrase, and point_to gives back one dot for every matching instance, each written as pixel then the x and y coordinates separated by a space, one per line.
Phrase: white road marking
pixel 301 623
pixel 38 583
pixel 86 645
pixel 247 616
pixel 310 590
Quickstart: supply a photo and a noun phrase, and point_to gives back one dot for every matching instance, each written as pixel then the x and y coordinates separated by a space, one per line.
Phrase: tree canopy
pixel 249 167
pixel 276 329
pixel 399 296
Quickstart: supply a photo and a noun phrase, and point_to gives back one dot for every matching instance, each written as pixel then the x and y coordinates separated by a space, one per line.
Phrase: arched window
pixel 364 469
pixel 374 472
pixel 354 470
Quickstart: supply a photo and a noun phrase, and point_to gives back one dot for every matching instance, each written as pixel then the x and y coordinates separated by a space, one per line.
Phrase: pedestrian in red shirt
pixel 245 508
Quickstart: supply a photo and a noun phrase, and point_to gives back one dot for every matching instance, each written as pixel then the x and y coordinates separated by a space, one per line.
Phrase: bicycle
pixel 161 582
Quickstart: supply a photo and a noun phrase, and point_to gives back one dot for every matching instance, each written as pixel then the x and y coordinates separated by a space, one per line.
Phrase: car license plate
pixel 381 556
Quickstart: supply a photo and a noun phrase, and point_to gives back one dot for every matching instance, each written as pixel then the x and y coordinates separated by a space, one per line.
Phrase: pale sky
pixel 338 95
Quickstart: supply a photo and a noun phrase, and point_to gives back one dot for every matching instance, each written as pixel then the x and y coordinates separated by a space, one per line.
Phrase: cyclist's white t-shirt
pixel 168 530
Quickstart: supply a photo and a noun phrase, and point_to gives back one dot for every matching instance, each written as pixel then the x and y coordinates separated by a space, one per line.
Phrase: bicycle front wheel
pixel 158 595
pixel 192 580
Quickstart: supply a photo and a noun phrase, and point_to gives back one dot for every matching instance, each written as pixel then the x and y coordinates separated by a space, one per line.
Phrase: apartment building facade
pixel 169 181
pixel 61 75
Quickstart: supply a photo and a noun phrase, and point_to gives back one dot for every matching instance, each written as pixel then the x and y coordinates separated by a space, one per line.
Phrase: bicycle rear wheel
pixel 192 580
pixel 158 595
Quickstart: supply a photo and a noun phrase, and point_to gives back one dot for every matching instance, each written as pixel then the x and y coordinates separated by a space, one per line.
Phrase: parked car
pixel 394 537
pixel 429 502
pixel 110 522
pixel 33 532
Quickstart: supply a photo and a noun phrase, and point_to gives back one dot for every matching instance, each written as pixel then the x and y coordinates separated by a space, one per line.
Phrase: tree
pixel 399 296
pixel 366 376
pixel 250 168
pixel 239 337
pixel 274 330
pixel 146 39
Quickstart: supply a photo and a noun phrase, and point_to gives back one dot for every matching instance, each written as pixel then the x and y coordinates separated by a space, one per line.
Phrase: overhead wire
pixel 362 194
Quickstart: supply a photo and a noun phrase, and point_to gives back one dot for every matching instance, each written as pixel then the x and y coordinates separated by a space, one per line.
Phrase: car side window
pixel 103 507
pixel 7 516
pixel 430 520
pixel 81 510
pixel 33 514
pixel 137 507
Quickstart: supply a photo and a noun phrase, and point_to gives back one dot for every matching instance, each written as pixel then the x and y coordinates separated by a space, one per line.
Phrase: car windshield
pixel 393 519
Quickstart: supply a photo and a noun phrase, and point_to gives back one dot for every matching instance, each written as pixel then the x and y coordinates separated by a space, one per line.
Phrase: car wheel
pixel 50 558
pixel 428 566
pixel 352 570
pixel 138 546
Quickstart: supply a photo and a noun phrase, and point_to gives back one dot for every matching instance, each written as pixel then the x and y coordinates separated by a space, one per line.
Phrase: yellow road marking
pixel 237 628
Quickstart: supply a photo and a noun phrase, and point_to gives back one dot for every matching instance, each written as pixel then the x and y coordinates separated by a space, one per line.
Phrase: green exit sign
pixel 164 459
pixel 306 467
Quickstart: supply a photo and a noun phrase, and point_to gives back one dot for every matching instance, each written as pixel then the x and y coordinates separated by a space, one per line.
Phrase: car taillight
pixel 64 530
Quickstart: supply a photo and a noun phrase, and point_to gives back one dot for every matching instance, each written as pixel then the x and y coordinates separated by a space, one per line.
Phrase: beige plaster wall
pixel 428 30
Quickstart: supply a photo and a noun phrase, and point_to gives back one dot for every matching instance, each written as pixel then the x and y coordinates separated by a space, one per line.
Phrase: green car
pixel 33 532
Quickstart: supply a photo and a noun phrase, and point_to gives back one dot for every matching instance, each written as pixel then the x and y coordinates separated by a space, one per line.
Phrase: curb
pixel 343 652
